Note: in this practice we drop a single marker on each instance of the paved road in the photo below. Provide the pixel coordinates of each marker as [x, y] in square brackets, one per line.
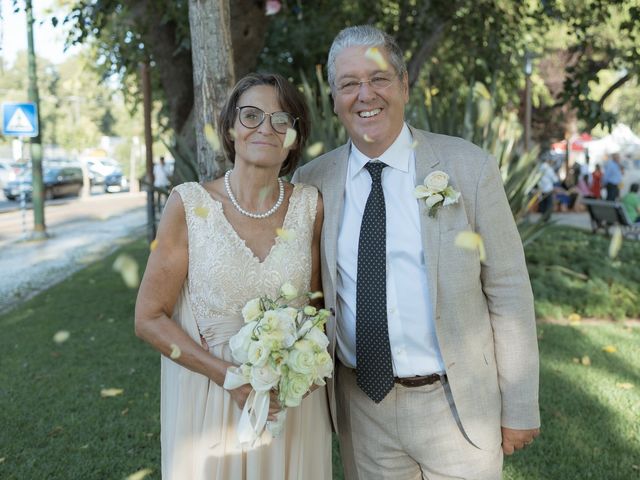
[81, 231]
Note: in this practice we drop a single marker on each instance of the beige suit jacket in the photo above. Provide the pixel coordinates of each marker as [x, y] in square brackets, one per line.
[485, 322]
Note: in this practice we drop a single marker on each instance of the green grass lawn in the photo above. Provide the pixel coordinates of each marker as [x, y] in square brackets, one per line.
[55, 425]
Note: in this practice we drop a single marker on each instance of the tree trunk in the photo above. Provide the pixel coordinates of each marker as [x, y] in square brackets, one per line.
[213, 76]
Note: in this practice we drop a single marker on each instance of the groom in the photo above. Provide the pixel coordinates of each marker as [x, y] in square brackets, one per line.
[437, 359]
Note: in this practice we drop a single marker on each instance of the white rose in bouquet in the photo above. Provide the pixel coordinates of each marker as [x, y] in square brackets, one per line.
[240, 342]
[324, 367]
[258, 354]
[294, 388]
[252, 310]
[302, 361]
[264, 378]
[317, 338]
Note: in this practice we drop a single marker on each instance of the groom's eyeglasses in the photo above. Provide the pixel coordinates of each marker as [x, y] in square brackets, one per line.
[252, 117]
[377, 82]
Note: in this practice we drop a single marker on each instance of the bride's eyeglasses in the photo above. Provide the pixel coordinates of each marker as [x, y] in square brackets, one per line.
[252, 117]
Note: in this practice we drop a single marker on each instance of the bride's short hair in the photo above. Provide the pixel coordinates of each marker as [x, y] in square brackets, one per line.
[289, 98]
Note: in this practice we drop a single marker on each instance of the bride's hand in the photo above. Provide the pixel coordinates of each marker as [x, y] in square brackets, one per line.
[240, 395]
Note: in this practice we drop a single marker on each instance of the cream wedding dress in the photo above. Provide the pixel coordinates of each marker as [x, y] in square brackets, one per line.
[199, 418]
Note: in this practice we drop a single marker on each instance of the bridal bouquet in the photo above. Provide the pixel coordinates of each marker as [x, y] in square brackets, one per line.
[279, 348]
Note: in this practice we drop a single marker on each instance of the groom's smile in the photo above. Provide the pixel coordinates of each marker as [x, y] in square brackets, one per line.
[372, 111]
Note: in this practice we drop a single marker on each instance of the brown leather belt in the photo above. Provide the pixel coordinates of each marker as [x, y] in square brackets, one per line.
[419, 381]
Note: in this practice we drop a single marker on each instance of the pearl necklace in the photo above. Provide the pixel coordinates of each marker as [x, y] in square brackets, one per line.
[237, 206]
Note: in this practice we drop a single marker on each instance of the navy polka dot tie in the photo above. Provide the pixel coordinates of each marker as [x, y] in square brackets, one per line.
[374, 369]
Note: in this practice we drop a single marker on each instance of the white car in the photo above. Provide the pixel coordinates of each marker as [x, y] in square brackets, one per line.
[99, 168]
[7, 173]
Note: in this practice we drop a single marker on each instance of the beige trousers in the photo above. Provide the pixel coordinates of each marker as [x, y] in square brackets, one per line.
[413, 434]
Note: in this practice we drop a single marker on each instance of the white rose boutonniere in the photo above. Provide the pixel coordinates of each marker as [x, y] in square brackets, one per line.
[436, 192]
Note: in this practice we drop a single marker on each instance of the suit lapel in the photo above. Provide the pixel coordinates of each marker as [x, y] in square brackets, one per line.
[333, 197]
[426, 162]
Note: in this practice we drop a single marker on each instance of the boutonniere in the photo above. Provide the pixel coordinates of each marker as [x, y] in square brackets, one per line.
[436, 192]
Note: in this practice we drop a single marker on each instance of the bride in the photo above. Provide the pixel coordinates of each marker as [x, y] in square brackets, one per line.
[217, 248]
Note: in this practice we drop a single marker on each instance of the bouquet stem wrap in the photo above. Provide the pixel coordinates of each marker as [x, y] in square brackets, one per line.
[253, 419]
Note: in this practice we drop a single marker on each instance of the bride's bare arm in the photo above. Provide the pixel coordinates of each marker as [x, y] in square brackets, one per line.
[159, 290]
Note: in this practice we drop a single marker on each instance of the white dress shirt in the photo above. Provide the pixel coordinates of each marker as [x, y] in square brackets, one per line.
[410, 315]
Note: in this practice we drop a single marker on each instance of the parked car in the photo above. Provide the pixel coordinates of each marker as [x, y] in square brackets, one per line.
[7, 173]
[58, 181]
[115, 182]
[99, 168]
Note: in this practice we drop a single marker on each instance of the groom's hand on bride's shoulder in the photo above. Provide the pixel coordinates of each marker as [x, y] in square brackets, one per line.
[513, 440]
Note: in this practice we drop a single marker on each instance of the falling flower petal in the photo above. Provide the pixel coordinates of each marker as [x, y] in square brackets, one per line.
[233, 134]
[272, 7]
[2, 459]
[124, 412]
[373, 53]
[201, 212]
[367, 138]
[175, 351]
[625, 385]
[575, 360]
[616, 242]
[140, 474]
[289, 138]
[586, 361]
[127, 266]
[61, 337]
[413, 145]
[609, 349]
[153, 245]
[111, 392]
[263, 192]
[286, 234]
[315, 295]
[471, 241]
[315, 149]
[574, 319]
[211, 136]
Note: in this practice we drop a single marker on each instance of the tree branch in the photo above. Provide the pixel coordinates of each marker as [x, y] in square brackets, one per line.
[418, 58]
[621, 81]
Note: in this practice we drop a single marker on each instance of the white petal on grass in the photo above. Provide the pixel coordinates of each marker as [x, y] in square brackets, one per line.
[616, 242]
[315, 149]
[61, 337]
[127, 266]
[211, 136]
[373, 53]
[140, 474]
[175, 351]
[285, 234]
[289, 138]
[111, 392]
[471, 241]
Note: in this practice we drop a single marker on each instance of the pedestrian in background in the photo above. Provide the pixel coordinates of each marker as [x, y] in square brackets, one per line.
[613, 177]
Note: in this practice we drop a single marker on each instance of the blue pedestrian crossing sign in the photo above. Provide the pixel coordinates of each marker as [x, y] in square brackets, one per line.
[20, 119]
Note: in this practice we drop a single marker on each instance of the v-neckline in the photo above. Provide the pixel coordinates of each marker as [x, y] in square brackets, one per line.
[241, 240]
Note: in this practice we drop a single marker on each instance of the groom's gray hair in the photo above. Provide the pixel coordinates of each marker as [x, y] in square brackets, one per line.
[364, 36]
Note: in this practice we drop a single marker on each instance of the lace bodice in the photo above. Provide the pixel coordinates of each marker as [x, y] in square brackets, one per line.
[223, 271]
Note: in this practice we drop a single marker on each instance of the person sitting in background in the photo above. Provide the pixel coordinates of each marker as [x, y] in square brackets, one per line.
[631, 203]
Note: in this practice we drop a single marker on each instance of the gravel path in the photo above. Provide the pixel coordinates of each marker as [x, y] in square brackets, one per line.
[27, 268]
